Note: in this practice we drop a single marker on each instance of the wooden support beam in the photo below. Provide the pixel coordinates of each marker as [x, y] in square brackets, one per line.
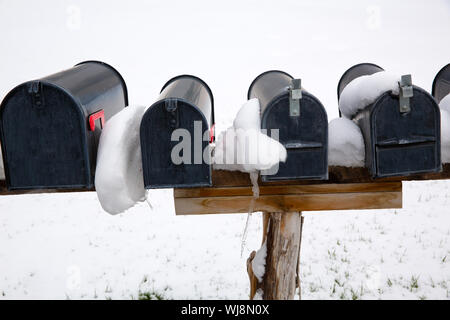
[287, 197]
[283, 247]
[290, 202]
[282, 237]
[346, 189]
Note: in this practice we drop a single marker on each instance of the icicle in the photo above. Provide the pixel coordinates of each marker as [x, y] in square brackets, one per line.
[149, 204]
[244, 234]
[255, 189]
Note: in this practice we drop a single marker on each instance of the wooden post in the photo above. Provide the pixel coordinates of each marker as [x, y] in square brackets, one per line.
[282, 234]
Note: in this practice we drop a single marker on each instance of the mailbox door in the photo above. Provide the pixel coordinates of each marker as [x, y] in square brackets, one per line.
[157, 126]
[44, 138]
[305, 138]
[406, 143]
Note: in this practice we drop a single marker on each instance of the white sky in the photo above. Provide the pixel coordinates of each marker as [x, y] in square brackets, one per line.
[226, 43]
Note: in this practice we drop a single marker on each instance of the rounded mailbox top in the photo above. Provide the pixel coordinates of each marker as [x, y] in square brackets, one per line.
[262, 75]
[208, 89]
[441, 83]
[358, 70]
[125, 89]
[194, 78]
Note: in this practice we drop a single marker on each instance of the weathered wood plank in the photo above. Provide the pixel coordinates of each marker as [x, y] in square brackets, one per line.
[288, 189]
[289, 202]
[346, 189]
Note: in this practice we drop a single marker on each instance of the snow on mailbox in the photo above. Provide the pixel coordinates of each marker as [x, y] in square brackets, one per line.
[400, 122]
[176, 132]
[50, 127]
[301, 121]
[441, 84]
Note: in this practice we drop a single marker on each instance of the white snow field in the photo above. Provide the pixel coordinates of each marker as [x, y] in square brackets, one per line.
[65, 246]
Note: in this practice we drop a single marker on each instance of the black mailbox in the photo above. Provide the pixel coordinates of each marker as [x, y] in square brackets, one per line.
[401, 131]
[302, 123]
[50, 127]
[441, 83]
[182, 116]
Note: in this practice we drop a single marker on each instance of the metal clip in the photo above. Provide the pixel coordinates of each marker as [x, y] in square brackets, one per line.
[405, 93]
[295, 94]
[36, 94]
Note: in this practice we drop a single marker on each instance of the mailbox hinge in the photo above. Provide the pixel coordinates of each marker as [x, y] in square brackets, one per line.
[36, 94]
[405, 93]
[295, 94]
[172, 110]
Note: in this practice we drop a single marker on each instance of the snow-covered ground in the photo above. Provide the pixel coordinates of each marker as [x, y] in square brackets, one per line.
[65, 245]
